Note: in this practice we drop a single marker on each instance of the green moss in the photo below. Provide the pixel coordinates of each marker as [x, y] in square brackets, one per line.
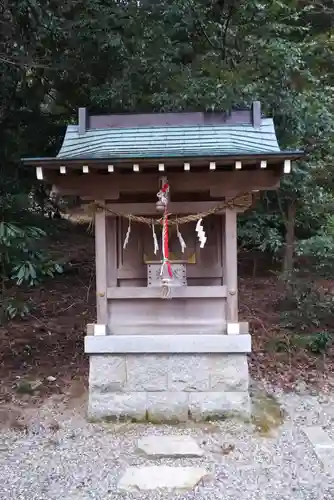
[135, 420]
[267, 414]
[161, 421]
[216, 417]
[109, 419]
[27, 386]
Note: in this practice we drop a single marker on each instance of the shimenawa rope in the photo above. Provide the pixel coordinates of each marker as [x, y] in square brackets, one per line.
[241, 201]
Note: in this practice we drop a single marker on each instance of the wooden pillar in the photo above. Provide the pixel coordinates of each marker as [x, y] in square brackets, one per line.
[231, 265]
[101, 267]
[223, 252]
[112, 224]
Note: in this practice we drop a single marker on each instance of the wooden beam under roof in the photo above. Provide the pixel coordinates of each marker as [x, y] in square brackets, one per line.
[217, 183]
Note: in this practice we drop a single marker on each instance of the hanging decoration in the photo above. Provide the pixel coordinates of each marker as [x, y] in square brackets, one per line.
[200, 233]
[166, 292]
[162, 205]
[127, 236]
[180, 238]
[242, 202]
[163, 195]
[155, 241]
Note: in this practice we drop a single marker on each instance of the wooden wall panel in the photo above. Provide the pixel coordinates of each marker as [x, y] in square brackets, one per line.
[132, 271]
[130, 258]
[162, 317]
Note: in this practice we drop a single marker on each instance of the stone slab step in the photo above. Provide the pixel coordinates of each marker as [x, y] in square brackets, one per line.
[323, 447]
[318, 437]
[161, 477]
[169, 446]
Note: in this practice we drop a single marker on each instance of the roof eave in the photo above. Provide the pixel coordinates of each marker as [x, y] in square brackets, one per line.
[56, 161]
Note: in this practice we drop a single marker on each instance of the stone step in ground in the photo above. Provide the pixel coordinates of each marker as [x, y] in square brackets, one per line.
[323, 447]
[169, 446]
[161, 476]
[173, 478]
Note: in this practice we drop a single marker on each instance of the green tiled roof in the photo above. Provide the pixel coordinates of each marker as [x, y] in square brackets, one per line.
[158, 142]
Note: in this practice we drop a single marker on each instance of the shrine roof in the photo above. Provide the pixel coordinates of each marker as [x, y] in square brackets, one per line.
[162, 142]
[243, 133]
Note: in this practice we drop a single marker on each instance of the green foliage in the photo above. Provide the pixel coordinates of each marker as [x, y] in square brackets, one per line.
[318, 343]
[12, 308]
[306, 306]
[145, 56]
[309, 303]
[261, 230]
[318, 250]
[22, 261]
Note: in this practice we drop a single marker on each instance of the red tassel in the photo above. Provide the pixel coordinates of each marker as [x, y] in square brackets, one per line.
[169, 267]
[165, 188]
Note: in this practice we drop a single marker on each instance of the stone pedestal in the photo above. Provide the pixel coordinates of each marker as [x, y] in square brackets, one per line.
[125, 383]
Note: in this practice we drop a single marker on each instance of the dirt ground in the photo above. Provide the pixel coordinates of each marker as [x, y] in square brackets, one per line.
[46, 347]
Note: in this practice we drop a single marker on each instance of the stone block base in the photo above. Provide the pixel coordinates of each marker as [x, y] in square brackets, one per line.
[168, 387]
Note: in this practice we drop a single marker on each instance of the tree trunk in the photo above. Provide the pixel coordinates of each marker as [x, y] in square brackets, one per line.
[289, 248]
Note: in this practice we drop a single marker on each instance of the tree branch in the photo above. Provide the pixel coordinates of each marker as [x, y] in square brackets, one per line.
[190, 3]
[227, 22]
[281, 209]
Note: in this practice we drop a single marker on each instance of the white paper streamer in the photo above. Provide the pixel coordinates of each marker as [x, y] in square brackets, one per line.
[200, 233]
[155, 240]
[181, 240]
[127, 236]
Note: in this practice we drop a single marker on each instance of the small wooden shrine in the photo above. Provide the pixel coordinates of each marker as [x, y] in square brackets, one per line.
[165, 190]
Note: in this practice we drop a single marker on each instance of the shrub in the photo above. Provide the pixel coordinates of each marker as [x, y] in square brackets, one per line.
[22, 262]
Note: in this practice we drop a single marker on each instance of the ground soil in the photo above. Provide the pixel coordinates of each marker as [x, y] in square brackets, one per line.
[48, 342]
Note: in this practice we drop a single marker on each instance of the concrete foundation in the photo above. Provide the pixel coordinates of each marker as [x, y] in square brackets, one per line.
[168, 387]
